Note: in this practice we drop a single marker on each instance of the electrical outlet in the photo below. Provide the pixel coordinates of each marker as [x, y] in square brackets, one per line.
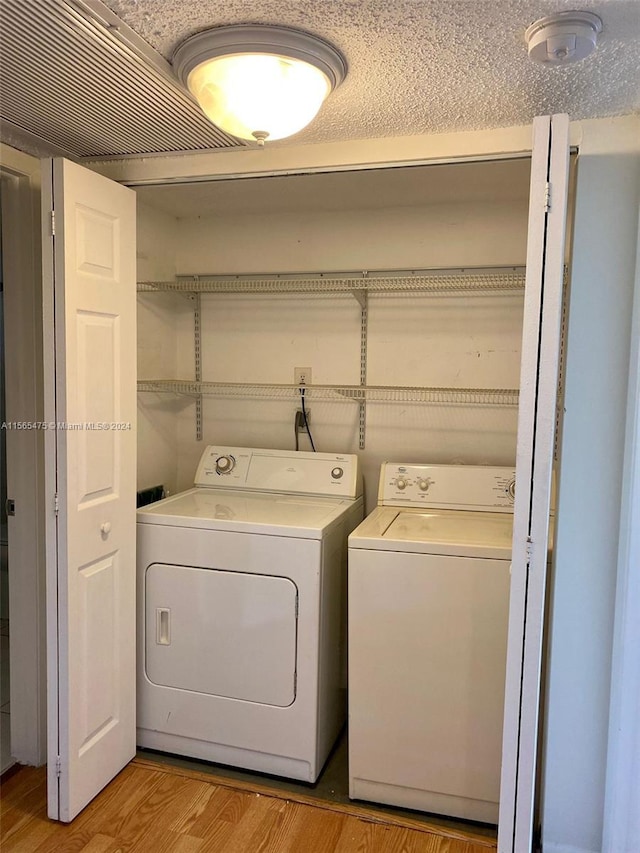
[302, 375]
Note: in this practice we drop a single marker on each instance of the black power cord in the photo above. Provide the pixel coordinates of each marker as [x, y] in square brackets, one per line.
[306, 421]
[298, 424]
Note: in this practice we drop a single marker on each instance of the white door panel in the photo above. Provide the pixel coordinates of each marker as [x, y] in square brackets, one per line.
[536, 433]
[223, 633]
[433, 631]
[91, 587]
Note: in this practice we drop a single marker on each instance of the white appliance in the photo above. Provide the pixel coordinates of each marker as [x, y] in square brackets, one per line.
[428, 611]
[241, 620]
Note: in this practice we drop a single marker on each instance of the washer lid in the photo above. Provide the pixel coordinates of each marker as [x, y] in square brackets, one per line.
[450, 532]
[277, 515]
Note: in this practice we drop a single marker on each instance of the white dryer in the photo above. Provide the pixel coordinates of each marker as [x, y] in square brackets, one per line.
[241, 629]
[428, 612]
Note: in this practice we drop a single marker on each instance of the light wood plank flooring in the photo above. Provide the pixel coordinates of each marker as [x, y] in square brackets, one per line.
[155, 808]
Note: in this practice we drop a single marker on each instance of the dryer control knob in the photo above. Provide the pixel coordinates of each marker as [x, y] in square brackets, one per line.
[401, 483]
[511, 489]
[423, 485]
[336, 473]
[225, 464]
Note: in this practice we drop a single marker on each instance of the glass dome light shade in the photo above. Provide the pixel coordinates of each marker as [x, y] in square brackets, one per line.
[258, 81]
[252, 94]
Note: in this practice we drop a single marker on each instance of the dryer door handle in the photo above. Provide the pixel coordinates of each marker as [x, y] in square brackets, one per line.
[163, 626]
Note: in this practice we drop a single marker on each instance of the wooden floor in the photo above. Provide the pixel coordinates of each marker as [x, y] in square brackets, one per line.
[155, 808]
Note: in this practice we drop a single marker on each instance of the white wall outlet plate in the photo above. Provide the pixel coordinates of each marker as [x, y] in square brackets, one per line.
[302, 375]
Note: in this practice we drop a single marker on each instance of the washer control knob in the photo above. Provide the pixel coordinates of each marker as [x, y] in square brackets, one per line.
[336, 473]
[225, 464]
[401, 484]
[511, 489]
[423, 484]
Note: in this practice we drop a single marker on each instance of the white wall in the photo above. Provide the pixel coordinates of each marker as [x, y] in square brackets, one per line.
[442, 235]
[158, 316]
[590, 483]
[414, 340]
[622, 803]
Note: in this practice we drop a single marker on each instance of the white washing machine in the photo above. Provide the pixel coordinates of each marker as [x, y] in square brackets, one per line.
[241, 628]
[428, 611]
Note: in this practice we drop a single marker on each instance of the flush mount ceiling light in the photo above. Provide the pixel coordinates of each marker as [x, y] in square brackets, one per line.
[563, 38]
[259, 82]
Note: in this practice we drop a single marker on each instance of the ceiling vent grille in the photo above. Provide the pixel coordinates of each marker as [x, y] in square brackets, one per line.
[74, 75]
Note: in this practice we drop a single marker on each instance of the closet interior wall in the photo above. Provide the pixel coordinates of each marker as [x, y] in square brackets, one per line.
[158, 317]
[468, 215]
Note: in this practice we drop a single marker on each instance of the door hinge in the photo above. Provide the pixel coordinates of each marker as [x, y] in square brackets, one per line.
[10, 507]
[56, 504]
[53, 223]
[58, 767]
[547, 197]
[529, 549]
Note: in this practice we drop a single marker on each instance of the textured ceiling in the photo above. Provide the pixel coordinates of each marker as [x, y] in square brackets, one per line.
[428, 66]
[91, 80]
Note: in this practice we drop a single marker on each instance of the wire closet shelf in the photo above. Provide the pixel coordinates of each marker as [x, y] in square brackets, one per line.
[475, 282]
[437, 282]
[336, 393]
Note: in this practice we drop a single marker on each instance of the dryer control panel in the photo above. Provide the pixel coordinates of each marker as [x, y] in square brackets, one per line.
[481, 488]
[281, 471]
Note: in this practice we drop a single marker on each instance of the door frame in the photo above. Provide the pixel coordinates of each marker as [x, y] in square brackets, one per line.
[20, 174]
[520, 747]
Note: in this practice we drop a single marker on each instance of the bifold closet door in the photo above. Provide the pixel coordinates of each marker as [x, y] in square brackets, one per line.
[90, 353]
[534, 459]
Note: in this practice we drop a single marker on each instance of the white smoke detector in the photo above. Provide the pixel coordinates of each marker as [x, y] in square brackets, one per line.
[564, 37]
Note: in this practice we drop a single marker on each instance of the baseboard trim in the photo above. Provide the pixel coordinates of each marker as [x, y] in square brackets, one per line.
[552, 847]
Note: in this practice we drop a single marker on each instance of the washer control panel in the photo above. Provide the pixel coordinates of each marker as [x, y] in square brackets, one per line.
[225, 464]
[482, 488]
[282, 471]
